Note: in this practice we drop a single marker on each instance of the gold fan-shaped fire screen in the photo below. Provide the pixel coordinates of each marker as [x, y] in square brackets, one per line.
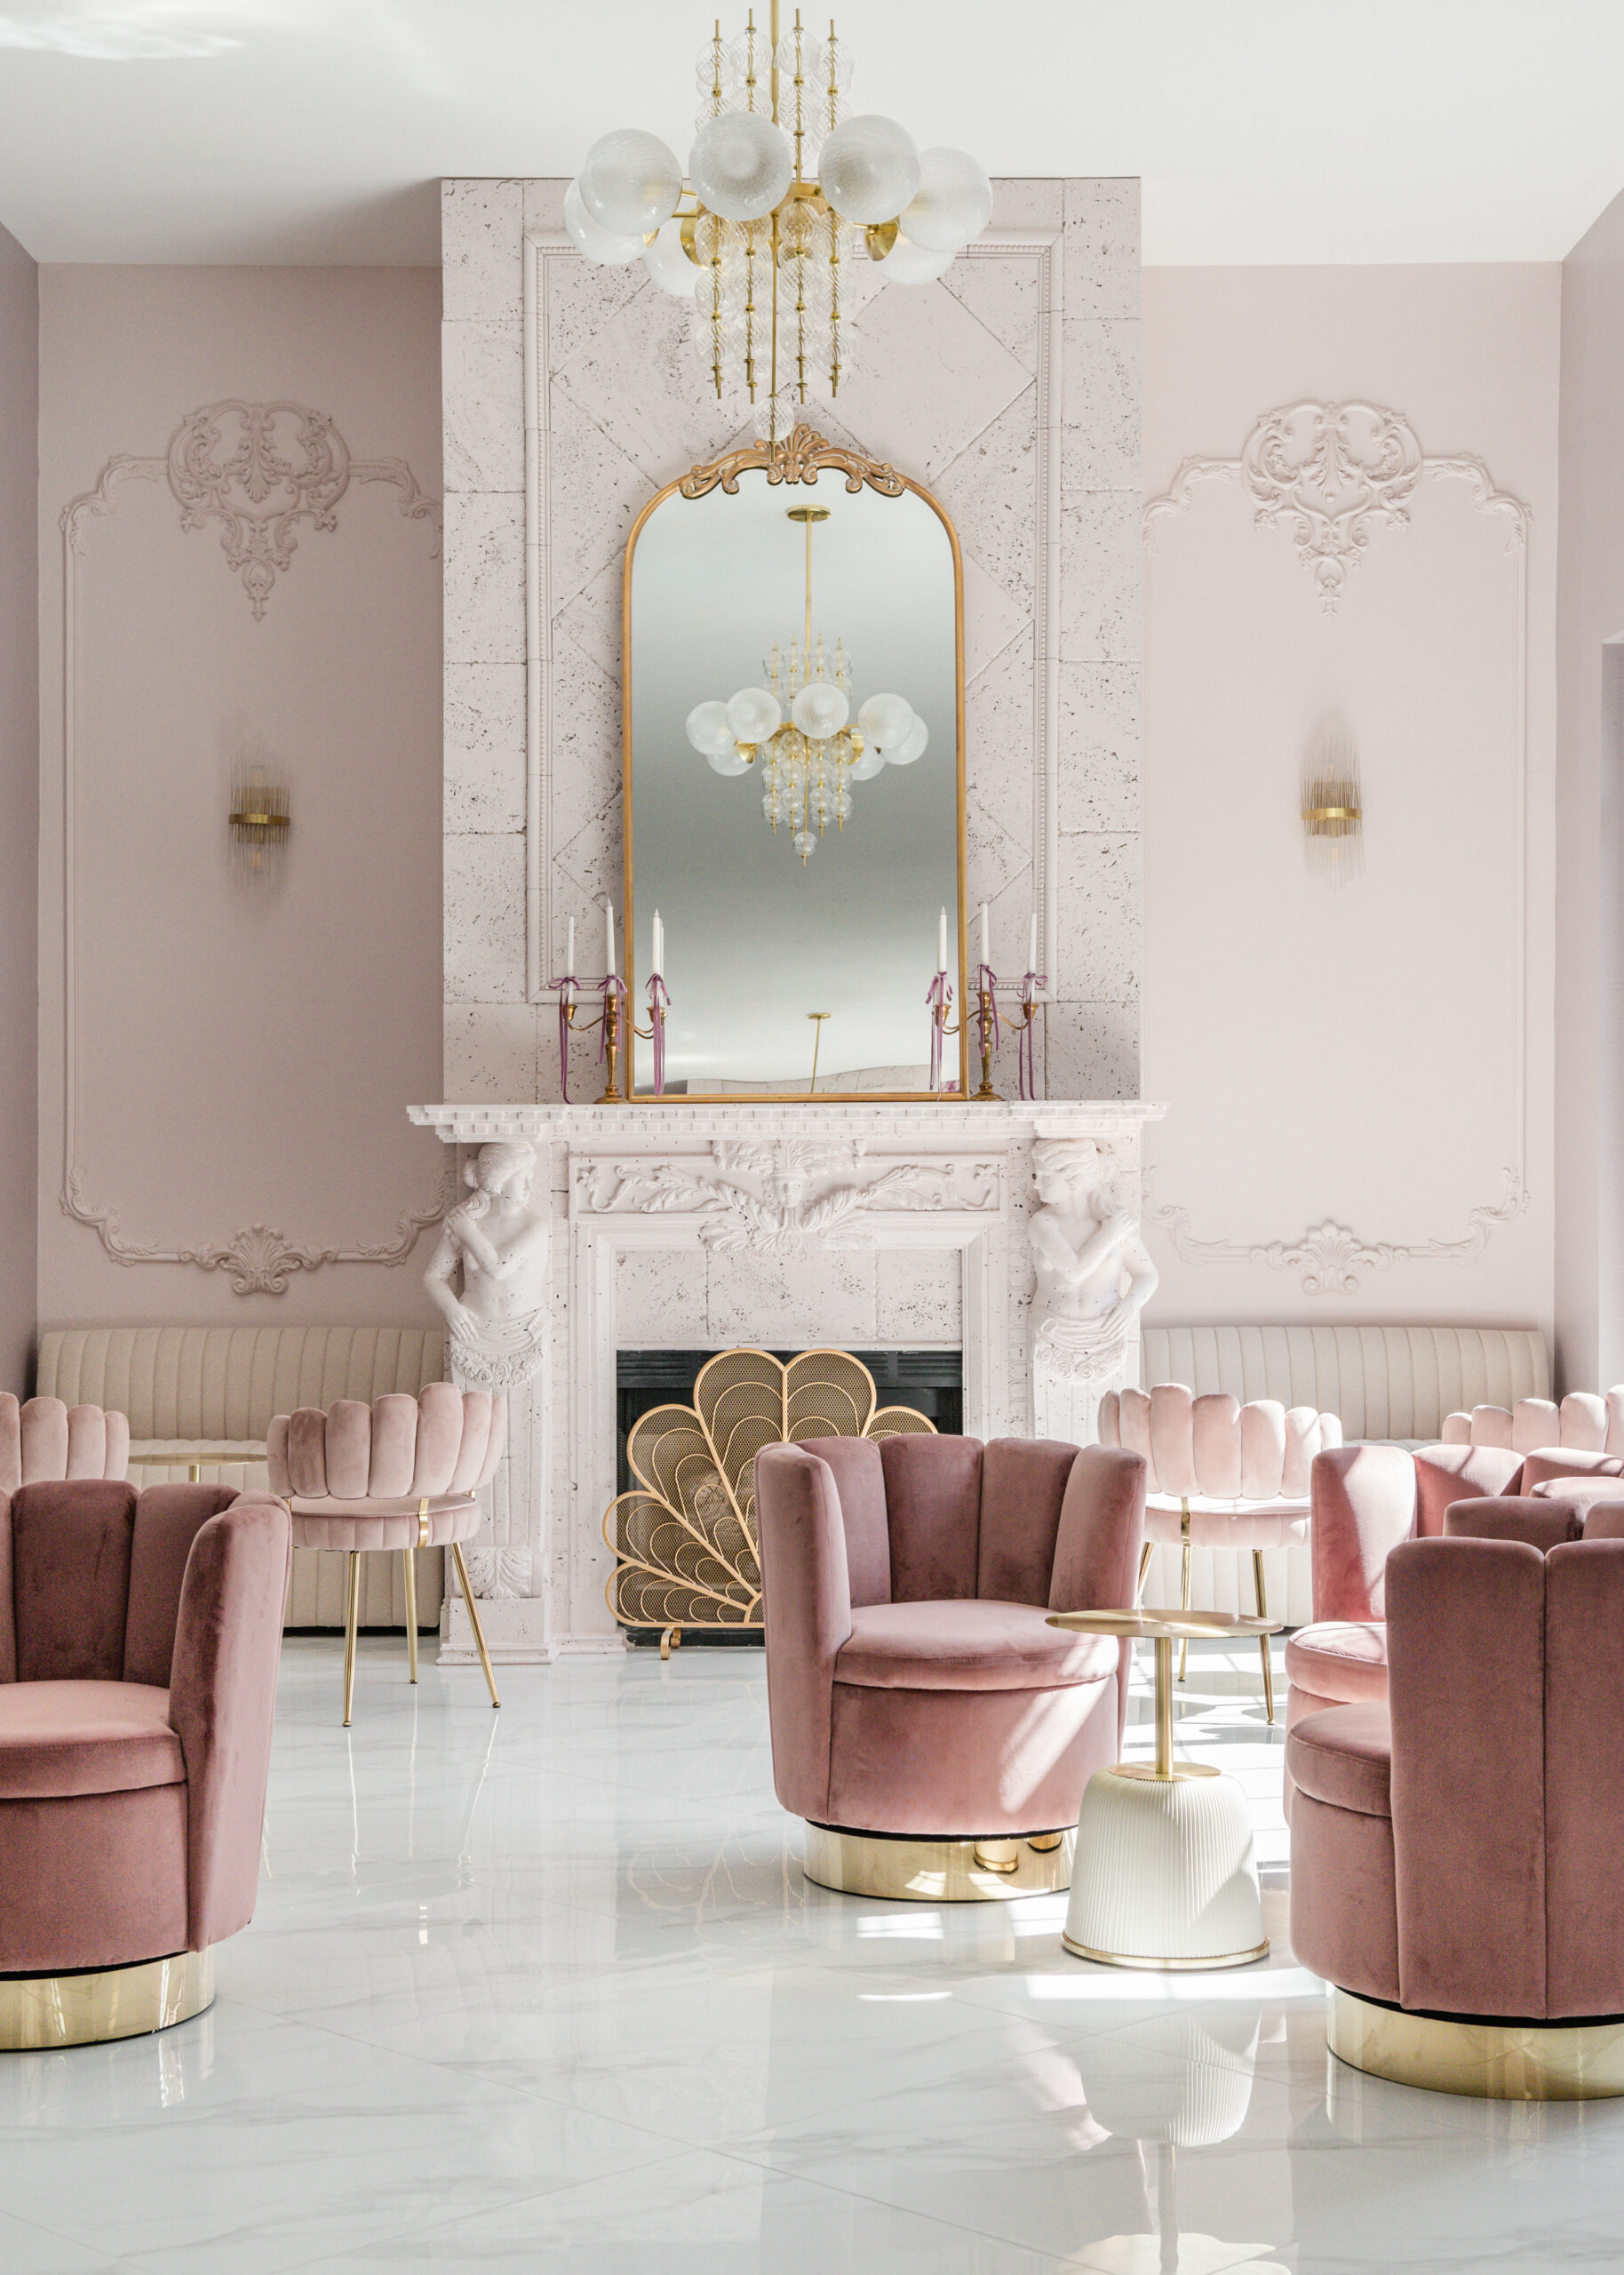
[685, 1542]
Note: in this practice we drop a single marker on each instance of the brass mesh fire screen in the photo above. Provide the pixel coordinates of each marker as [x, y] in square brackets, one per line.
[684, 1538]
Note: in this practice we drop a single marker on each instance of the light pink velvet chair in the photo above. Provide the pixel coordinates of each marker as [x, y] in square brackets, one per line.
[139, 1645]
[1366, 1500]
[393, 1477]
[1454, 1851]
[1220, 1475]
[916, 1691]
[1584, 1423]
[42, 1439]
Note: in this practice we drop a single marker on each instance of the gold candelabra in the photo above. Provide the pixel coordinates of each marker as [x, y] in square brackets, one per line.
[609, 1020]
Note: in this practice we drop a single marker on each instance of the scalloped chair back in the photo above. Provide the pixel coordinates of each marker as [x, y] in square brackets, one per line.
[394, 1475]
[42, 1442]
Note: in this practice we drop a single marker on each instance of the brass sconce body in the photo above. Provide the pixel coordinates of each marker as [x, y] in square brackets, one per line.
[260, 823]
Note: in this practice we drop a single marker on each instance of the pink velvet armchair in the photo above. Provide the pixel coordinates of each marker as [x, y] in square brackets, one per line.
[41, 1439]
[932, 1728]
[390, 1478]
[138, 1646]
[1454, 1851]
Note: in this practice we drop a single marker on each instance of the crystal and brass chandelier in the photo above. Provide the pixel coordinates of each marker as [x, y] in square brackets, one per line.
[762, 232]
[813, 757]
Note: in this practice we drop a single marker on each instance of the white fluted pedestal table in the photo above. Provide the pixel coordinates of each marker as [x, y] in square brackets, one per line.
[1165, 1874]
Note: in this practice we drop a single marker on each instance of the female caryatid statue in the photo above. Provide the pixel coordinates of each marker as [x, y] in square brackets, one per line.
[497, 1244]
[1094, 1274]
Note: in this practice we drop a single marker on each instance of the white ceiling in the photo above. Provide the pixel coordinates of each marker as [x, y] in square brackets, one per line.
[1264, 130]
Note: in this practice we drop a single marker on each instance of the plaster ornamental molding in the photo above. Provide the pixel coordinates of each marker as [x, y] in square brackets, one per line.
[1332, 472]
[259, 494]
[1331, 1257]
[781, 1197]
[800, 457]
[259, 1257]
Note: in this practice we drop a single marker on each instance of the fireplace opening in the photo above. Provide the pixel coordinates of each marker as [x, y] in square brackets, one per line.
[932, 1382]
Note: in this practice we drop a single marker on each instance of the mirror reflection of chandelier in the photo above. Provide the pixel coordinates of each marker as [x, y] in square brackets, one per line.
[812, 758]
[762, 232]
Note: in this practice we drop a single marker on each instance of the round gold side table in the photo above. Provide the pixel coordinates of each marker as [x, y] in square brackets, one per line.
[1165, 1874]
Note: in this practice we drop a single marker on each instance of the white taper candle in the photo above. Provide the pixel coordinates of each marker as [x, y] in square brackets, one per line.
[609, 939]
[657, 958]
[1032, 952]
[569, 951]
[986, 952]
[942, 941]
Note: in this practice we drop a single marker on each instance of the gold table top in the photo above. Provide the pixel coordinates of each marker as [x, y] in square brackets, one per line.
[1159, 1624]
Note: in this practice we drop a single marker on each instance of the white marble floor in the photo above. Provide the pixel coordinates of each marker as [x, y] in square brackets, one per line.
[546, 1991]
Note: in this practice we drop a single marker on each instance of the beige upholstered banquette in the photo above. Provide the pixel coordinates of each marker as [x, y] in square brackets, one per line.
[187, 1386]
[1379, 1382]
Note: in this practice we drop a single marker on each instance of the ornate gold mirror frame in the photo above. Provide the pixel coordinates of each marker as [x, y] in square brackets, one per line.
[799, 456]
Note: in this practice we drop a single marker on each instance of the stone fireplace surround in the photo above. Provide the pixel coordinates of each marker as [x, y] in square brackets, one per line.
[901, 1225]
[1011, 389]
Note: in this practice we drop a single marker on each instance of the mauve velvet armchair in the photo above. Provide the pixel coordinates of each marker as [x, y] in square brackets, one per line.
[1454, 1850]
[916, 1692]
[138, 1646]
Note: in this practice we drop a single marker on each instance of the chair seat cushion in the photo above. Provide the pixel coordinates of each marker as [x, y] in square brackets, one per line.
[1344, 1757]
[967, 1645]
[332, 1523]
[1280, 1523]
[1345, 1659]
[58, 1738]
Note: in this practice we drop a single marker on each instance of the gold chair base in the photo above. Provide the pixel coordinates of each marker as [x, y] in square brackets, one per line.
[939, 1872]
[1488, 2060]
[1138, 1961]
[40, 2011]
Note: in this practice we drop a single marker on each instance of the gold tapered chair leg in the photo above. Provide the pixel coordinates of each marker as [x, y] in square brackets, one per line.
[473, 1620]
[1185, 1593]
[410, 1557]
[352, 1616]
[1264, 1640]
[1145, 1554]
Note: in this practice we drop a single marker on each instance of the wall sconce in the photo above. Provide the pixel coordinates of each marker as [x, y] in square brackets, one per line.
[1332, 810]
[260, 823]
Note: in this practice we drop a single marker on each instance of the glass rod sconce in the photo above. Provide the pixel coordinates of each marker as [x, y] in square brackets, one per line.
[1332, 811]
[259, 824]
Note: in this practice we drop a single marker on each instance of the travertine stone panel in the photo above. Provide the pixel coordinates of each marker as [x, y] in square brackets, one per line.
[1016, 399]
[920, 1298]
[826, 1295]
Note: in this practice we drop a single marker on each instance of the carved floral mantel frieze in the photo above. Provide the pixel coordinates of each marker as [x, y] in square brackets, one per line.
[1331, 473]
[783, 1196]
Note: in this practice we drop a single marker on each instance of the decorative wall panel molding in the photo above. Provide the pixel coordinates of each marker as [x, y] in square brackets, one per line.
[1332, 472]
[1040, 251]
[258, 493]
[1331, 1257]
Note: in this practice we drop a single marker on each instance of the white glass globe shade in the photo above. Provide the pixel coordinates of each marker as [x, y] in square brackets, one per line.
[869, 169]
[740, 165]
[595, 243]
[804, 843]
[911, 746]
[754, 716]
[631, 182]
[886, 720]
[871, 763]
[952, 203]
[820, 710]
[708, 730]
[728, 762]
[669, 266]
[907, 263]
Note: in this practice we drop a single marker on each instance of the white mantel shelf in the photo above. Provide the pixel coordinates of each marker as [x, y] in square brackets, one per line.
[924, 1120]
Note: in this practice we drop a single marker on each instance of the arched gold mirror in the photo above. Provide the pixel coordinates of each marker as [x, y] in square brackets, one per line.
[800, 839]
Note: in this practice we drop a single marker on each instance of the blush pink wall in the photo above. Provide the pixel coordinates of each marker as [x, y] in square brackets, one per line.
[244, 1057]
[1589, 792]
[1351, 1057]
[18, 805]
